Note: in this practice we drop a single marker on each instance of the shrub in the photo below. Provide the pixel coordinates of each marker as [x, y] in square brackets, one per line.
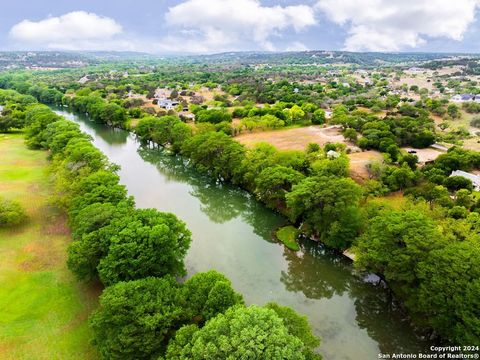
[11, 213]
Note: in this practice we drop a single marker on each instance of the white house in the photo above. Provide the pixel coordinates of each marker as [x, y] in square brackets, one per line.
[167, 104]
[475, 179]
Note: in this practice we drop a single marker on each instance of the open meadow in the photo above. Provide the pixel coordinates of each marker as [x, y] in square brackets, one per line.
[44, 309]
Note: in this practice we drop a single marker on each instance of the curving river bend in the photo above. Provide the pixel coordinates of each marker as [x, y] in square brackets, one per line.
[232, 233]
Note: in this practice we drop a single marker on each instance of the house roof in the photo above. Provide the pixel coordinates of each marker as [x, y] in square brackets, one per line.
[475, 179]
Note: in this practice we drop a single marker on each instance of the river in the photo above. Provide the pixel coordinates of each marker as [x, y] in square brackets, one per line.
[232, 233]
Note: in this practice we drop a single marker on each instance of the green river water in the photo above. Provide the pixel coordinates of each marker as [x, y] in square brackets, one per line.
[232, 233]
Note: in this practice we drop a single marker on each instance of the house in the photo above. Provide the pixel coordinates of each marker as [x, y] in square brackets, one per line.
[84, 80]
[463, 97]
[328, 114]
[475, 179]
[167, 104]
[345, 84]
[296, 90]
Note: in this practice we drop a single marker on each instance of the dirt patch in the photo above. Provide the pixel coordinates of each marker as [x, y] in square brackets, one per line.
[56, 225]
[358, 164]
[294, 139]
[424, 155]
[41, 256]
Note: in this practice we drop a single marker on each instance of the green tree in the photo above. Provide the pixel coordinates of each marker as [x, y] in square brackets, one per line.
[152, 244]
[208, 294]
[298, 326]
[395, 243]
[350, 134]
[273, 183]
[454, 111]
[448, 294]
[240, 333]
[326, 203]
[318, 117]
[135, 319]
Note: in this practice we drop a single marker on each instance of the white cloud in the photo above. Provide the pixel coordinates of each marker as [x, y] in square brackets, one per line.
[386, 25]
[221, 25]
[74, 31]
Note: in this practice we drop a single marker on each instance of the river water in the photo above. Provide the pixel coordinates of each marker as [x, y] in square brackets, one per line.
[232, 233]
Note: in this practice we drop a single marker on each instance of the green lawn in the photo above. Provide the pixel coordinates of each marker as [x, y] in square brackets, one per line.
[44, 309]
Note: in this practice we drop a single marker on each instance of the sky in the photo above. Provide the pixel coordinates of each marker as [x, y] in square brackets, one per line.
[212, 26]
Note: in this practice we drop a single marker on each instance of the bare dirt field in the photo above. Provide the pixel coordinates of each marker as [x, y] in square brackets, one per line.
[294, 139]
[425, 155]
[359, 161]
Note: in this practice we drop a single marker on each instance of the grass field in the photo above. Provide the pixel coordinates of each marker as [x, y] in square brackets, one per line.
[43, 308]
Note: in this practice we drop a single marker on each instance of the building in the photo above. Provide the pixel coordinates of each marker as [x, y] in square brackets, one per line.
[463, 97]
[167, 104]
[439, 147]
[415, 69]
[475, 179]
[477, 98]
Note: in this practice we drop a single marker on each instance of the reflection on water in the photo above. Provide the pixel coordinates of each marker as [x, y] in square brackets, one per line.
[233, 234]
[317, 272]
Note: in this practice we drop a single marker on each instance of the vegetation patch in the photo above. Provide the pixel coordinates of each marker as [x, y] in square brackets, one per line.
[288, 235]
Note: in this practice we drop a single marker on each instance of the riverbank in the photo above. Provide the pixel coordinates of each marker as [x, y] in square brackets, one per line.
[44, 309]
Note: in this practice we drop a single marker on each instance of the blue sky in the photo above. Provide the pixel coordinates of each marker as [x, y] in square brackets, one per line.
[208, 26]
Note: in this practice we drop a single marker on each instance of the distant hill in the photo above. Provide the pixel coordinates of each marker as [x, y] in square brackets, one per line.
[72, 59]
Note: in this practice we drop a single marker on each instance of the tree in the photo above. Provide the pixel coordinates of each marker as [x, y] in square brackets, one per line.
[458, 182]
[394, 244]
[240, 333]
[216, 153]
[298, 326]
[295, 114]
[325, 203]
[273, 183]
[150, 244]
[453, 111]
[100, 187]
[464, 197]
[208, 294]
[135, 319]
[213, 116]
[448, 294]
[318, 117]
[399, 178]
[11, 213]
[410, 159]
[350, 134]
